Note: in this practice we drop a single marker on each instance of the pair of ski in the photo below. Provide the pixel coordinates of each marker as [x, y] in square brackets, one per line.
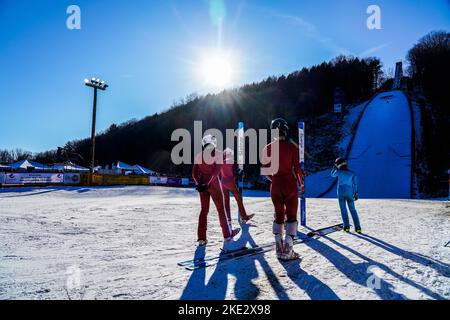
[208, 261]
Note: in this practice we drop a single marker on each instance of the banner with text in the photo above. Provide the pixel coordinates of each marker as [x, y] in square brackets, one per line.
[158, 180]
[33, 178]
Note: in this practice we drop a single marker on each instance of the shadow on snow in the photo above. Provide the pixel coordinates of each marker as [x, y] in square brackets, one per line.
[245, 272]
[358, 272]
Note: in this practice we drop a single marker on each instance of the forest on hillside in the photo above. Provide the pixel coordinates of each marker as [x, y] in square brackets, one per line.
[429, 69]
[302, 95]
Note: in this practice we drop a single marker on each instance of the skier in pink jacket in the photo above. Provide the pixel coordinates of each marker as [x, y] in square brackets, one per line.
[228, 176]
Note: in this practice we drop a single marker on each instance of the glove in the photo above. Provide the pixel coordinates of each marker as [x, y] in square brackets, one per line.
[355, 196]
[302, 189]
[202, 187]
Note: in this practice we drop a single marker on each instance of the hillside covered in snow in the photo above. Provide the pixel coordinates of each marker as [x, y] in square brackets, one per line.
[380, 152]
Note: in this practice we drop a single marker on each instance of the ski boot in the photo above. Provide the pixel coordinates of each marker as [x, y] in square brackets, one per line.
[235, 232]
[288, 250]
[248, 218]
[202, 243]
[229, 245]
[288, 247]
[346, 229]
[278, 230]
[358, 230]
[279, 245]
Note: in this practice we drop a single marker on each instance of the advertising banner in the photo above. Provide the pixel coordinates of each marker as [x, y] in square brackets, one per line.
[301, 148]
[158, 180]
[185, 181]
[2, 177]
[174, 181]
[241, 155]
[71, 178]
[301, 143]
[30, 178]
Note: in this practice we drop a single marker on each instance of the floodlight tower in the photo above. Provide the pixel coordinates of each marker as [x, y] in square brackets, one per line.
[97, 84]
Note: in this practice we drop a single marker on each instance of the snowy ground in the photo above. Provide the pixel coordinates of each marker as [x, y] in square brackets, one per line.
[124, 242]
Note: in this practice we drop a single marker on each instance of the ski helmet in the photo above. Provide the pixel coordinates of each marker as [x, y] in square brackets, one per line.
[209, 139]
[228, 151]
[229, 154]
[340, 162]
[280, 124]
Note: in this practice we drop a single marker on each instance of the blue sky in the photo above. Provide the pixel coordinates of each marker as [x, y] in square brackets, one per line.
[150, 53]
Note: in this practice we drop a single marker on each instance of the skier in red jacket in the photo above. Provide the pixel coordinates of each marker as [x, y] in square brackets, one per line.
[228, 176]
[284, 174]
[206, 174]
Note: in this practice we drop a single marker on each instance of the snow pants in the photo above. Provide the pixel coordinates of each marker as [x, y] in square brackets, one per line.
[345, 196]
[230, 187]
[284, 194]
[215, 191]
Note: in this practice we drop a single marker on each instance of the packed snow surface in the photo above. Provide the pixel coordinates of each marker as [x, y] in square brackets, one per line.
[124, 243]
[381, 152]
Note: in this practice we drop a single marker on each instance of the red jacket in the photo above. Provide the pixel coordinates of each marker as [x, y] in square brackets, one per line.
[228, 174]
[288, 159]
[207, 166]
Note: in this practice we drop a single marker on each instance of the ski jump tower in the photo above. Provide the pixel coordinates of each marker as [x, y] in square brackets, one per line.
[398, 76]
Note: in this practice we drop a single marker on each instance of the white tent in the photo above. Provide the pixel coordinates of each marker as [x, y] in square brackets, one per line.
[144, 170]
[69, 167]
[136, 168]
[25, 164]
[124, 166]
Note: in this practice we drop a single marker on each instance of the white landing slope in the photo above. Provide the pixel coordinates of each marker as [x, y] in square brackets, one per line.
[381, 152]
[124, 243]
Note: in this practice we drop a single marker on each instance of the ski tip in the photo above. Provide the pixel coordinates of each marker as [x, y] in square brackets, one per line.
[312, 234]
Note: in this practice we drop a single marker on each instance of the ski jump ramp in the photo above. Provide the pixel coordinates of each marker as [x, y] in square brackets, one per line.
[381, 152]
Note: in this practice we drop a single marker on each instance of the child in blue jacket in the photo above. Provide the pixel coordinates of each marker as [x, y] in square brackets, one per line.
[347, 192]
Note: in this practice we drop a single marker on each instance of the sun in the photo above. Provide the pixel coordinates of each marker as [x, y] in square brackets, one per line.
[217, 70]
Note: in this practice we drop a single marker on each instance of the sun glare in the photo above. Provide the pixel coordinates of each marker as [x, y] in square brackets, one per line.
[217, 70]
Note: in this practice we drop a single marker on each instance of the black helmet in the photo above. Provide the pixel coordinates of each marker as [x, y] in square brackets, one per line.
[280, 124]
[340, 162]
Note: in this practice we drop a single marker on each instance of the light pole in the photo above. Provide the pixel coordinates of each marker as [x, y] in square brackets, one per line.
[96, 84]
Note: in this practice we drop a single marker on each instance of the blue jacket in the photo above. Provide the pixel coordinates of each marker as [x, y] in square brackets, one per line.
[346, 178]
